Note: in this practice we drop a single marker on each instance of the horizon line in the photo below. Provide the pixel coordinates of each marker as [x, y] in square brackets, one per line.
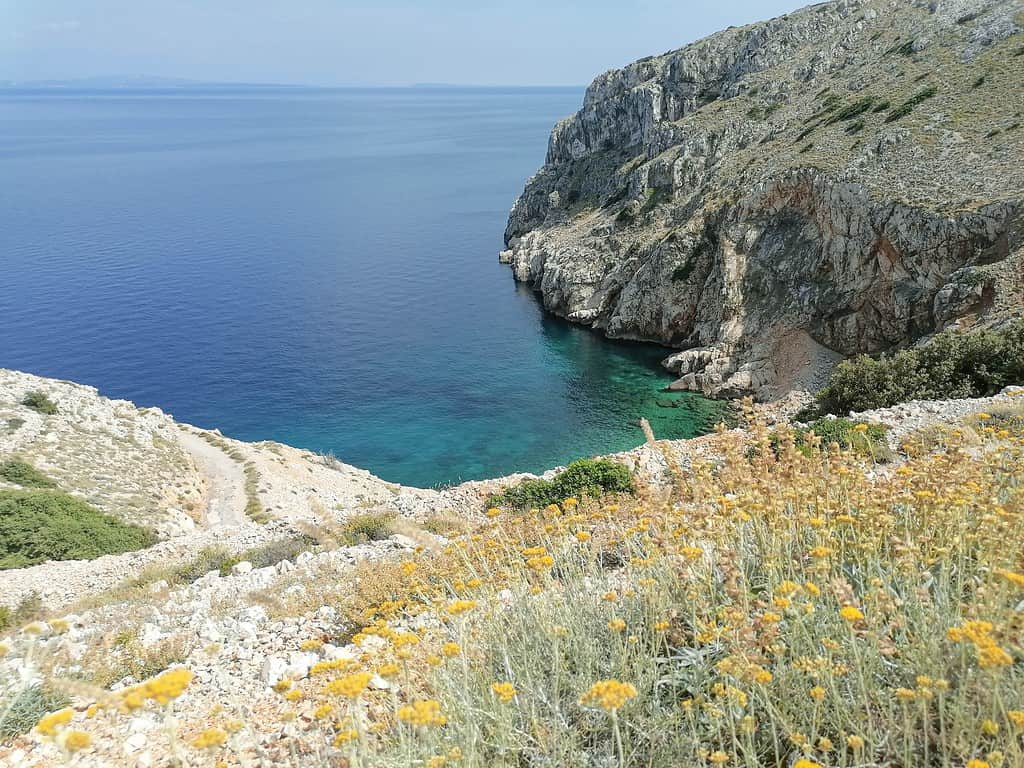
[172, 83]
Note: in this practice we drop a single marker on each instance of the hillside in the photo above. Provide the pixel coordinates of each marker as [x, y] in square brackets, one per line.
[847, 178]
[761, 597]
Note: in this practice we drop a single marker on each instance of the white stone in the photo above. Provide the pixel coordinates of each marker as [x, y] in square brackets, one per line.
[273, 670]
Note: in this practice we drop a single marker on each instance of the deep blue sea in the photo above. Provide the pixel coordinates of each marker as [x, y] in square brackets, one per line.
[314, 267]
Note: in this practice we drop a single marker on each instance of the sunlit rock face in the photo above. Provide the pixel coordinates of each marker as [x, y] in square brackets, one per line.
[847, 178]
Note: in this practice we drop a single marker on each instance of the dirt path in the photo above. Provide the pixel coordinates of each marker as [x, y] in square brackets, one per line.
[225, 495]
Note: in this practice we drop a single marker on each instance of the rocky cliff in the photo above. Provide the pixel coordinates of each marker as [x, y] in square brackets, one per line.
[847, 178]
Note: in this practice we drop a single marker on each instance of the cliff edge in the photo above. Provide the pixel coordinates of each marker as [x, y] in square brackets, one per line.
[847, 178]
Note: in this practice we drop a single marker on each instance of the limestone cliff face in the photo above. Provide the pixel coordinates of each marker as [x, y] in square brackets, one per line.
[846, 178]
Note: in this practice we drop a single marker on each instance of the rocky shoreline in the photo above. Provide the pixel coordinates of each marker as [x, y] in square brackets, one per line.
[778, 196]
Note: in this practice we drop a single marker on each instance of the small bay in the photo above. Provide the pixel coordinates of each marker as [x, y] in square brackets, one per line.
[317, 267]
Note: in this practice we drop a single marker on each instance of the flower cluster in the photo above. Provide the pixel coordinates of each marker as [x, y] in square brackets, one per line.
[609, 695]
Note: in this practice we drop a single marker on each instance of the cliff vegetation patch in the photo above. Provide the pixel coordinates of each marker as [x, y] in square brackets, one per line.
[22, 473]
[41, 525]
[951, 365]
[590, 477]
[38, 401]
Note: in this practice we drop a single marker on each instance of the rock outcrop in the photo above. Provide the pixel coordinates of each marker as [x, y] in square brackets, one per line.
[847, 178]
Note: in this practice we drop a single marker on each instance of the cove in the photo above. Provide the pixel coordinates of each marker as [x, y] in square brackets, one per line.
[317, 267]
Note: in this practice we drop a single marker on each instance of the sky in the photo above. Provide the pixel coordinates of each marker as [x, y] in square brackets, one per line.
[354, 42]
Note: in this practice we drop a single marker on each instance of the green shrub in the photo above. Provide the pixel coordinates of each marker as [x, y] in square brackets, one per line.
[29, 608]
[40, 525]
[952, 365]
[850, 111]
[907, 107]
[274, 552]
[863, 438]
[684, 270]
[40, 402]
[372, 526]
[131, 659]
[24, 474]
[253, 508]
[25, 708]
[444, 525]
[590, 477]
[209, 559]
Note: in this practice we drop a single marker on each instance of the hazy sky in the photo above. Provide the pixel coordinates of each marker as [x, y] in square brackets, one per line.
[329, 42]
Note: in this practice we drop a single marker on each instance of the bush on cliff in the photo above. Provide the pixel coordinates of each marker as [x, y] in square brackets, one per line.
[24, 474]
[40, 525]
[590, 477]
[952, 365]
[38, 401]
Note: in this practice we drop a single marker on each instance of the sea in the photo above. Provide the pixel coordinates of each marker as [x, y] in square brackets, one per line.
[312, 266]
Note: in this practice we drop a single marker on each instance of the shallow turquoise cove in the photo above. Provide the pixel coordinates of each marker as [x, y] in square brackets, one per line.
[314, 267]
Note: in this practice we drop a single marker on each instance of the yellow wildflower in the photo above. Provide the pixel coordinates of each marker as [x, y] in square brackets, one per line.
[423, 713]
[344, 737]
[76, 741]
[349, 686]
[53, 722]
[211, 738]
[457, 607]
[609, 695]
[451, 650]
[1017, 579]
[504, 691]
[851, 613]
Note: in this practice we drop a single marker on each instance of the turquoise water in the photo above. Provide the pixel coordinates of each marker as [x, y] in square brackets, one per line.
[314, 267]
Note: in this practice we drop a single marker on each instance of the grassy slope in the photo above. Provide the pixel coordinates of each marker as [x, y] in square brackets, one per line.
[785, 604]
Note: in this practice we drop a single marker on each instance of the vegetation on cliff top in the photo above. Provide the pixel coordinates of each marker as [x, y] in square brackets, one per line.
[22, 473]
[591, 477]
[951, 365]
[40, 525]
[38, 401]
